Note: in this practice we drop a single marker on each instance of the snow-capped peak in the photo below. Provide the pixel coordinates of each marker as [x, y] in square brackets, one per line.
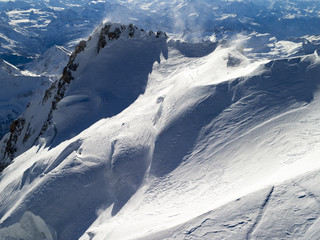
[103, 86]
[144, 138]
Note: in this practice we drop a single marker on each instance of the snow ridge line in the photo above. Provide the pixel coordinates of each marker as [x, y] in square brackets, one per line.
[260, 215]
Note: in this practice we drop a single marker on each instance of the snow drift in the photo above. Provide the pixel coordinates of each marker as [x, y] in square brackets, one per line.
[142, 139]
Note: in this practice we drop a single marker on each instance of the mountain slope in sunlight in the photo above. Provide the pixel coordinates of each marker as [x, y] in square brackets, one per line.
[143, 138]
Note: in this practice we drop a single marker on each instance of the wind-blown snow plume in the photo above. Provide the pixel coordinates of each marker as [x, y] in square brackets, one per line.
[186, 21]
[145, 137]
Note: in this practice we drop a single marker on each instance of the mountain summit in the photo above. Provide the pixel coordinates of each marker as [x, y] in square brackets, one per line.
[148, 137]
[103, 76]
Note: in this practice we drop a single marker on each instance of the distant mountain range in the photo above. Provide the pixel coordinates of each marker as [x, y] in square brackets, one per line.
[28, 28]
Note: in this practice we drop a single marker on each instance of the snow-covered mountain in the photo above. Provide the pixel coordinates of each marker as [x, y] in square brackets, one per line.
[208, 131]
[28, 28]
[194, 19]
[51, 63]
[17, 88]
[146, 137]
[7, 69]
[94, 96]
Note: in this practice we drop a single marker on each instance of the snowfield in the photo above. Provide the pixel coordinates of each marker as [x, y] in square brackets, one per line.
[147, 137]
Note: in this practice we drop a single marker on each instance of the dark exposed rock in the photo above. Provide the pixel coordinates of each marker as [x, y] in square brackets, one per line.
[78, 49]
[16, 125]
[132, 29]
[160, 33]
[107, 33]
[66, 75]
[48, 93]
[73, 67]
[3, 166]
[27, 134]
[57, 90]
[115, 34]
[16, 128]
[112, 35]
[102, 39]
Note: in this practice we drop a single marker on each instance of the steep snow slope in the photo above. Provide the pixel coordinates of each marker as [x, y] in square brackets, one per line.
[8, 69]
[246, 134]
[104, 86]
[132, 150]
[18, 87]
[16, 90]
[51, 63]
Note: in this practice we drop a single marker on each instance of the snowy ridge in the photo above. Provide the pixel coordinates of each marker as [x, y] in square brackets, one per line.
[154, 143]
[51, 63]
[213, 167]
[137, 135]
[7, 69]
[108, 102]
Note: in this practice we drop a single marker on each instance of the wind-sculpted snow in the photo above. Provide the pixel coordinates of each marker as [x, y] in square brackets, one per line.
[141, 135]
[286, 211]
[210, 131]
[113, 86]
